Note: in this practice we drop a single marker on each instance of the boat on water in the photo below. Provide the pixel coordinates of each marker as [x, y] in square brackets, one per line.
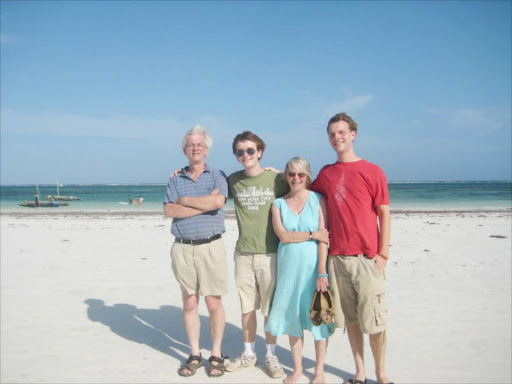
[61, 197]
[43, 204]
[51, 203]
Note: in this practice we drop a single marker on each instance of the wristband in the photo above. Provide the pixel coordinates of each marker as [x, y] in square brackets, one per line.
[318, 275]
[383, 255]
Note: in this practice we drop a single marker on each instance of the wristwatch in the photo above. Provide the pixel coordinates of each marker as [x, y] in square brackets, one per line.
[310, 235]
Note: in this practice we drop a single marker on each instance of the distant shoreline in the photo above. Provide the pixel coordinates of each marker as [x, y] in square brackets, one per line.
[229, 215]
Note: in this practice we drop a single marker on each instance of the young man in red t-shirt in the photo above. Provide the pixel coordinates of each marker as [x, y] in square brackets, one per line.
[358, 206]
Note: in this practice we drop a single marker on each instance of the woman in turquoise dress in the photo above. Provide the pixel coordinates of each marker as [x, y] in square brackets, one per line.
[300, 220]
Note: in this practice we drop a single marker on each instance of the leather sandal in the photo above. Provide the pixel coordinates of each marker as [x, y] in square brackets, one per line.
[327, 312]
[189, 368]
[216, 367]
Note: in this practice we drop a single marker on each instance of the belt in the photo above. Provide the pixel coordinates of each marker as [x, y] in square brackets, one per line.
[199, 241]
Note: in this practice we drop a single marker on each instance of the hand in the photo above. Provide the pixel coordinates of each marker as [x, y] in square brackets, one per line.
[380, 261]
[321, 235]
[322, 283]
[215, 192]
[272, 169]
[176, 172]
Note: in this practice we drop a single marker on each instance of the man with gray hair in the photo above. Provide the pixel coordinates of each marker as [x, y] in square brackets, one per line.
[194, 199]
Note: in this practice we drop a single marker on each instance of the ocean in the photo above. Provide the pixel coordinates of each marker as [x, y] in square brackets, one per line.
[408, 196]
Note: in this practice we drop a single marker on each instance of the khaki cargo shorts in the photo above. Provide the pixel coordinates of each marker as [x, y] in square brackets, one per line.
[358, 284]
[201, 268]
[255, 277]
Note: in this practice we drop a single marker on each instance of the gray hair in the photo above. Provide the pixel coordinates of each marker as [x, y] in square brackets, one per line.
[198, 130]
[301, 164]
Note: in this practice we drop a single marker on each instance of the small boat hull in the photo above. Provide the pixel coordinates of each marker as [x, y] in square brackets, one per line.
[64, 198]
[42, 204]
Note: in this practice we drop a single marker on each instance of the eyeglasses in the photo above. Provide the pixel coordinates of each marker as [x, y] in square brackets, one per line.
[198, 146]
[300, 174]
[240, 152]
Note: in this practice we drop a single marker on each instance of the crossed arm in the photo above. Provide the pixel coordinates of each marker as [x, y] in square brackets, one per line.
[188, 206]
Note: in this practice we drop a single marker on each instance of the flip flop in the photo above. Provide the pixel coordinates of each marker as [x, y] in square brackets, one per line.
[355, 381]
[193, 362]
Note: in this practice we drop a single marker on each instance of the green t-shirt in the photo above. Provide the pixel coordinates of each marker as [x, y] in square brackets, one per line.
[253, 197]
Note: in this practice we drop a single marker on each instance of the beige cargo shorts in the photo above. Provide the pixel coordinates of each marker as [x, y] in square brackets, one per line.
[255, 277]
[358, 284]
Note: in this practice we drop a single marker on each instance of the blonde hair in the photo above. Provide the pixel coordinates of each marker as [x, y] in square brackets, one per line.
[301, 164]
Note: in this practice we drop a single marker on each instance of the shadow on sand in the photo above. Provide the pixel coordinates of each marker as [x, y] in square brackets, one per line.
[162, 329]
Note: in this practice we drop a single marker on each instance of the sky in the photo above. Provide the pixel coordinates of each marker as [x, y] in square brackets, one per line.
[104, 91]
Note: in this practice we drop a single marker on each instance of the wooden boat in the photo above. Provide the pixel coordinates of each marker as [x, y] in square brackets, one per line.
[52, 203]
[59, 197]
[43, 204]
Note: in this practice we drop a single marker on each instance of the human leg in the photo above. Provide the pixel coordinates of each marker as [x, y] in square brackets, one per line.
[217, 322]
[355, 337]
[320, 352]
[249, 325]
[272, 363]
[192, 326]
[249, 303]
[378, 345]
[248, 357]
[296, 344]
[372, 311]
[265, 270]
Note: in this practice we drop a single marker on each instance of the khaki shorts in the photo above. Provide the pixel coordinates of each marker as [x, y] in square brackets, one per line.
[358, 283]
[255, 277]
[201, 268]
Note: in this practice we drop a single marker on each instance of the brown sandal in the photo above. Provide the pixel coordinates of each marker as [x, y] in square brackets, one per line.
[219, 366]
[322, 308]
[193, 362]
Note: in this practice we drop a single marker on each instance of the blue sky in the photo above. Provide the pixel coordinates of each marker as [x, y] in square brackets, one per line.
[103, 91]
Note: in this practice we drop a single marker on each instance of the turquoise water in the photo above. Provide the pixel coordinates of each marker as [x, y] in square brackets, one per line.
[464, 195]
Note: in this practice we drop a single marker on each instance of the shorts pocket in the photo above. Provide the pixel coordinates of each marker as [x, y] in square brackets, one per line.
[381, 312]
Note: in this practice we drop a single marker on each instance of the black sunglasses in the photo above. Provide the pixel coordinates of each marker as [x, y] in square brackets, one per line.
[240, 152]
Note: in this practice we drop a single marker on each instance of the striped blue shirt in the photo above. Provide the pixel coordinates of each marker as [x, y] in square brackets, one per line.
[200, 226]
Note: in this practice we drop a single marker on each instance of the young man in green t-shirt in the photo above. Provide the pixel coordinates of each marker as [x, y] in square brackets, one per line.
[253, 190]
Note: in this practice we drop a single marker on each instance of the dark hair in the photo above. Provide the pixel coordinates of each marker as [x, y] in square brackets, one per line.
[249, 136]
[352, 125]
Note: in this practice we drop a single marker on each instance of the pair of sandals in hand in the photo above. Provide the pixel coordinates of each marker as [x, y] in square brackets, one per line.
[322, 308]
[194, 362]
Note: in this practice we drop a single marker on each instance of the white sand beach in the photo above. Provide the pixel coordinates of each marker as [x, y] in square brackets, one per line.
[91, 298]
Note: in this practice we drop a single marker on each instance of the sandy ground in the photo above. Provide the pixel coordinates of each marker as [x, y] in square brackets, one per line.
[92, 299]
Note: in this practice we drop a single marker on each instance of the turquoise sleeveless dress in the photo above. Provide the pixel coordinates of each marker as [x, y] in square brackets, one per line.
[296, 275]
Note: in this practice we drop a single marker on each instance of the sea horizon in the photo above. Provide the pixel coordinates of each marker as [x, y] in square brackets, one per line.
[474, 195]
[165, 183]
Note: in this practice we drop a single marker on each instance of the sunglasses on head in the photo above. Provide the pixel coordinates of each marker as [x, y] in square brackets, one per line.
[240, 152]
[300, 174]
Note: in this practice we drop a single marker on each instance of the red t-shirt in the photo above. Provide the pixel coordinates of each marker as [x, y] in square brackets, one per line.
[353, 192]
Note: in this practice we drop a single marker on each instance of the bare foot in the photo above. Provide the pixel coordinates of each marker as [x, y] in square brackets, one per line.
[318, 379]
[293, 378]
[383, 380]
